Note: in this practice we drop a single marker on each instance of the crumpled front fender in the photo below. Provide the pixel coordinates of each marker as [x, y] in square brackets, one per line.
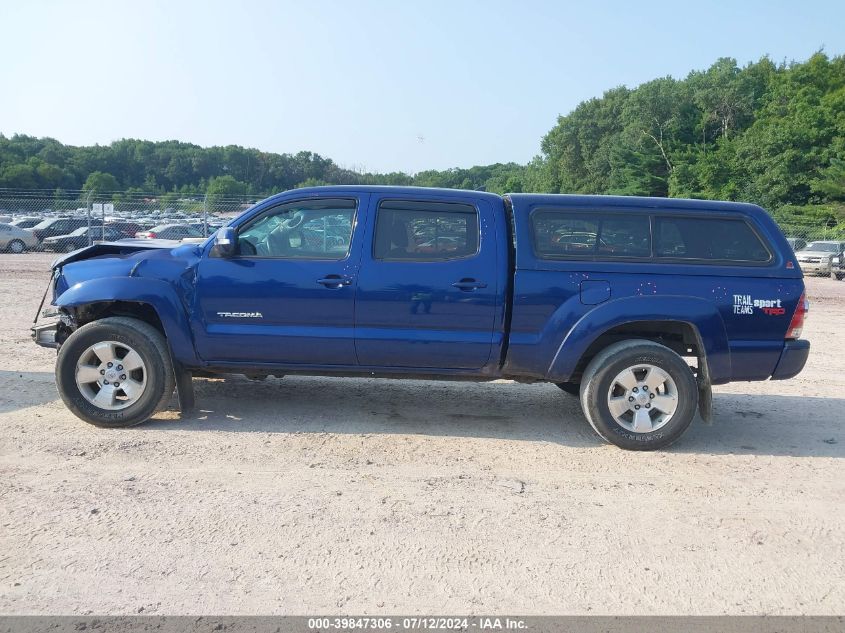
[154, 292]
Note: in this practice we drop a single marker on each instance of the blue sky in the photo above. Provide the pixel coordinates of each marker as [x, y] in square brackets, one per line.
[374, 85]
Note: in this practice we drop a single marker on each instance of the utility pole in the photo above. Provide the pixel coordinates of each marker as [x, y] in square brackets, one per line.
[205, 216]
[88, 213]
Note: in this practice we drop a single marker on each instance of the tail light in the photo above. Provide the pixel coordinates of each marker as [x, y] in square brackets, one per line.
[151, 235]
[797, 323]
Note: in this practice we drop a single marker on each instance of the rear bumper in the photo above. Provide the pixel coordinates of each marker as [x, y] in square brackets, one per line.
[792, 359]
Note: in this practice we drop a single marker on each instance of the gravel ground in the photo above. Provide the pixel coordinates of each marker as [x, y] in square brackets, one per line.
[308, 495]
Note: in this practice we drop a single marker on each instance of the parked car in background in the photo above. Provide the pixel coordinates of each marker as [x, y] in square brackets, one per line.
[796, 243]
[823, 257]
[16, 240]
[26, 223]
[61, 226]
[79, 238]
[169, 232]
[129, 229]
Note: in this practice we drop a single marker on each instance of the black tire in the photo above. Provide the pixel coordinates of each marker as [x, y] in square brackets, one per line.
[140, 336]
[572, 388]
[68, 248]
[839, 276]
[16, 246]
[597, 382]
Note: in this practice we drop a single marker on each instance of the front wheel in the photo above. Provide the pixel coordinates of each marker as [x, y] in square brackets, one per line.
[839, 276]
[639, 395]
[16, 246]
[115, 372]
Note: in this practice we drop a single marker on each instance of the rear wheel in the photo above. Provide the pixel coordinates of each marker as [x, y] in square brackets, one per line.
[115, 372]
[839, 276]
[639, 395]
[16, 246]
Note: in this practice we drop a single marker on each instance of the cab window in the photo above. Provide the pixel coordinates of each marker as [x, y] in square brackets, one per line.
[314, 229]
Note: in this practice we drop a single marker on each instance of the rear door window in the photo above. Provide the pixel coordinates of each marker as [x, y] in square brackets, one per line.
[425, 231]
[715, 239]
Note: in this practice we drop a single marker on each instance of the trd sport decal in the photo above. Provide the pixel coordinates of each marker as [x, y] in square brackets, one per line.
[744, 304]
[240, 315]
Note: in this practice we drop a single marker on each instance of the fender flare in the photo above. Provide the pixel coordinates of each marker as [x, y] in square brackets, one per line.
[701, 314]
[159, 294]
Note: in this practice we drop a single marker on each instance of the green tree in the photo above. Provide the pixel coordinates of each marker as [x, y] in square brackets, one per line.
[226, 186]
[99, 182]
[831, 183]
[18, 176]
[223, 191]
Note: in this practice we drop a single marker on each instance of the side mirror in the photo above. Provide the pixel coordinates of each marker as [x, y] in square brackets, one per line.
[225, 243]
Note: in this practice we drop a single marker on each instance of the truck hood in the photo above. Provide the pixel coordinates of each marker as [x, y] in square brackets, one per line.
[163, 260]
[123, 247]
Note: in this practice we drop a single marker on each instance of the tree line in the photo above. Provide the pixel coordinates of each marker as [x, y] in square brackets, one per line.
[768, 133]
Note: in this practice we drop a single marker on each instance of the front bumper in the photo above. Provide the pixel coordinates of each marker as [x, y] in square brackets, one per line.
[792, 359]
[815, 269]
[45, 334]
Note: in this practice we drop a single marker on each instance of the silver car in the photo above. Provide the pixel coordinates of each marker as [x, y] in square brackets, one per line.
[823, 257]
[15, 240]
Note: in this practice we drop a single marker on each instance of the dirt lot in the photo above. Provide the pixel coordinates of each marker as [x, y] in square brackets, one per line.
[310, 495]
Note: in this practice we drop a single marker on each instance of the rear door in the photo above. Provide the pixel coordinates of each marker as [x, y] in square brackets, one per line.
[288, 295]
[429, 283]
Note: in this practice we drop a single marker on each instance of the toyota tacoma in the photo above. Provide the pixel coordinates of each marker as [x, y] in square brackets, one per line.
[636, 306]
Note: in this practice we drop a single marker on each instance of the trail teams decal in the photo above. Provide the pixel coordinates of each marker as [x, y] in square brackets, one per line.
[240, 315]
[744, 304]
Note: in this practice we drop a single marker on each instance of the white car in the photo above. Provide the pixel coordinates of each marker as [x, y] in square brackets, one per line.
[15, 240]
[823, 258]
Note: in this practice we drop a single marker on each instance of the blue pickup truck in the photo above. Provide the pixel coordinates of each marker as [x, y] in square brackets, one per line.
[635, 305]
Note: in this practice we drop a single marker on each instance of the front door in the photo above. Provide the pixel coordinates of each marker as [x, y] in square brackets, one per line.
[428, 286]
[287, 296]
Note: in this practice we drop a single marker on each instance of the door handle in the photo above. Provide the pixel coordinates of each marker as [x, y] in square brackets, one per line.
[468, 284]
[334, 281]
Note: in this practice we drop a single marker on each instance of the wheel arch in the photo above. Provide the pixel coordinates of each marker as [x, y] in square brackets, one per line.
[149, 300]
[686, 325]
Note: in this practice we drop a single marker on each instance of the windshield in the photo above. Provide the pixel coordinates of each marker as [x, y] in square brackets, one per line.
[43, 224]
[80, 231]
[826, 247]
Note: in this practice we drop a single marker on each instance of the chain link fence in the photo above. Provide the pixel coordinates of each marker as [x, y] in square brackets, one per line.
[98, 215]
[133, 212]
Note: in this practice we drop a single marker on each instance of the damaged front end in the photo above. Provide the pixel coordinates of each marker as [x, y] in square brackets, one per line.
[53, 325]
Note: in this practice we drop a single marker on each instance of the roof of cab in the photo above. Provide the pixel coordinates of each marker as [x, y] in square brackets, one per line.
[410, 191]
